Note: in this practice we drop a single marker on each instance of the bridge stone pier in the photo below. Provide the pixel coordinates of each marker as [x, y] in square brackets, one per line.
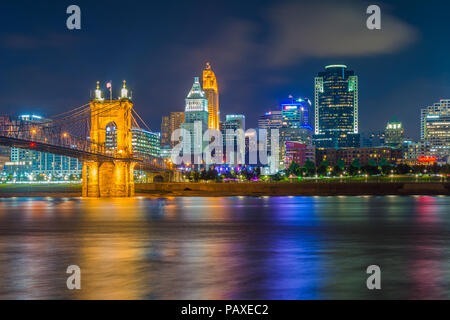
[108, 179]
[113, 178]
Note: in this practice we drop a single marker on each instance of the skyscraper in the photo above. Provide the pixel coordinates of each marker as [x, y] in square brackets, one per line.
[165, 131]
[435, 128]
[336, 108]
[212, 94]
[296, 126]
[373, 139]
[196, 112]
[271, 120]
[394, 134]
[168, 125]
[145, 143]
[176, 119]
[230, 137]
[296, 114]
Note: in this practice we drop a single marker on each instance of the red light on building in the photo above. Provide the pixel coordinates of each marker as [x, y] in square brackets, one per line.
[427, 159]
[32, 145]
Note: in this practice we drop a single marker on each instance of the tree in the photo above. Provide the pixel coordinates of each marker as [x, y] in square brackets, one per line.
[322, 170]
[310, 167]
[340, 166]
[212, 174]
[385, 166]
[372, 167]
[195, 176]
[403, 169]
[294, 169]
[355, 166]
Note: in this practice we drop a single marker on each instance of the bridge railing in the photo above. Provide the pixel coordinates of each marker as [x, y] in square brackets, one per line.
[156, 162]
[54, 136]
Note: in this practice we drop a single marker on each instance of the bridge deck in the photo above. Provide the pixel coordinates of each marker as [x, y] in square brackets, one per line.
[60, 150]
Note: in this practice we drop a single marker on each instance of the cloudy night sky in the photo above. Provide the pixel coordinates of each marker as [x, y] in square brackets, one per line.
[261, 51]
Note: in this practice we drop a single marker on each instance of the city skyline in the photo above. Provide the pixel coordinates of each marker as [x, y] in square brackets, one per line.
[58, 76]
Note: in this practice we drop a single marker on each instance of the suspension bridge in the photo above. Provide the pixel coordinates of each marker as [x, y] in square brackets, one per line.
[108, 170]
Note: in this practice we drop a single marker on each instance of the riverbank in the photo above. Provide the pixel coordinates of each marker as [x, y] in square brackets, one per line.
[292, 189]
[40, 190]
[159, 190]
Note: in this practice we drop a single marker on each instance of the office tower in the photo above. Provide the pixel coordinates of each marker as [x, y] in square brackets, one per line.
[394, 134]
[271, 120]
[196, 113]
[435, 128]
[230, 136]
[145, 143]
[212, 94]
[233, 122]
[296, 126]
[296, 114]
[372, 139]
[300, 135]
[165, 152]
[336, 108]
[168, 125]
[176, 119]
[165, 131]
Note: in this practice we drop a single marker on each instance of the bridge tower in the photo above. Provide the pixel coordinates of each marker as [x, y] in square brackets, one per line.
[112, 178]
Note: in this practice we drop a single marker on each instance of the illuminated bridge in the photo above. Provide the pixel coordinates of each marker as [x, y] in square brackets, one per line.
[81, 133]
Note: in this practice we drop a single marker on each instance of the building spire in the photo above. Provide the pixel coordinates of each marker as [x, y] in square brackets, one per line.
[124, 91]
[98, 93]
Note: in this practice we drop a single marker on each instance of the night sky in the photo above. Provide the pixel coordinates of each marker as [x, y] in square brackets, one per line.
[261, 51]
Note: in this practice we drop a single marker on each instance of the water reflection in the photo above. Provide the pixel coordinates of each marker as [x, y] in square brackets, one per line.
[225, 248]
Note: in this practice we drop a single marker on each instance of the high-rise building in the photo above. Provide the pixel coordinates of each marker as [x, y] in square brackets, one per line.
[336, 108]
[271, 120]
[168, 125]
[296, 114]
[372, 139]
[300, 135]
[228, 128]
[145, 143]
[176, 120]
[435, 128]
[394, 134]
[212, 94]
[196, 113]
[165, 131]
[296, 126]
[234, 122]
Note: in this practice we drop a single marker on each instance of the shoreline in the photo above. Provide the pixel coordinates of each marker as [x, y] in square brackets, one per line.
[215, 190]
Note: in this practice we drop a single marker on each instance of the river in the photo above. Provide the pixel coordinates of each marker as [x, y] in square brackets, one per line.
[225, 248]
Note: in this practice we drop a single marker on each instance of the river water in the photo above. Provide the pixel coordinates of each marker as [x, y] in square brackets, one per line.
[225, 248]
